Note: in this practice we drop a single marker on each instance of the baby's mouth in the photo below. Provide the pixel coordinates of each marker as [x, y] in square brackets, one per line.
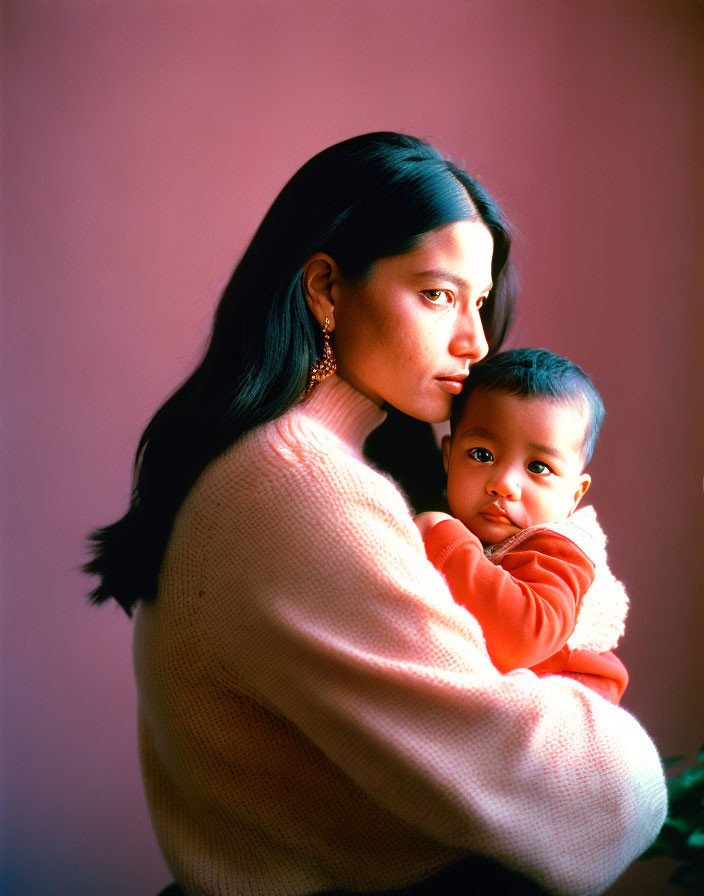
[497, 514]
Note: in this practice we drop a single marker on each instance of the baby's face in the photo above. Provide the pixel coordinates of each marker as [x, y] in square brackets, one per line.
[514, 462]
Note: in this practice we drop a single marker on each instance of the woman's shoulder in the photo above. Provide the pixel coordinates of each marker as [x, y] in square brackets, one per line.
[295, 474]
[326, 429]
[314, 451]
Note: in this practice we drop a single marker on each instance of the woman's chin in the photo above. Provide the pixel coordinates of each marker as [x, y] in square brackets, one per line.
[431, 411]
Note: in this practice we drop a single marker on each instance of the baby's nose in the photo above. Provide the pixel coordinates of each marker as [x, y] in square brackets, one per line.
[504, 484]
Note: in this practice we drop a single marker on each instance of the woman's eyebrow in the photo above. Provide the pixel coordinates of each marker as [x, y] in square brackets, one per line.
[446, 274]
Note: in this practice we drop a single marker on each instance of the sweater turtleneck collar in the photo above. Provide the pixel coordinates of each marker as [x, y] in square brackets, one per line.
[344, 410]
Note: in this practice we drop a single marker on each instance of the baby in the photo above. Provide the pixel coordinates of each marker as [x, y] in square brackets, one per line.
[518, 554]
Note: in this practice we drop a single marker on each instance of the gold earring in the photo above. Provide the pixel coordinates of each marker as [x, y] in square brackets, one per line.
[325, 365]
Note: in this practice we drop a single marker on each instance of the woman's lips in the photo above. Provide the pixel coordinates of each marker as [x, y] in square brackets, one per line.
[452, 384]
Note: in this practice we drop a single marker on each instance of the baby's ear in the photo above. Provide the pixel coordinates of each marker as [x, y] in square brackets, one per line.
[446, 445]
[585, 480]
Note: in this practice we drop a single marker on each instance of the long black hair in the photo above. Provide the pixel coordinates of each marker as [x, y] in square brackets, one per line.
[366, 198]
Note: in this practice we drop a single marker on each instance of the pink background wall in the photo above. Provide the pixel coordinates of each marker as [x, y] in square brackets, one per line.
[143, 141]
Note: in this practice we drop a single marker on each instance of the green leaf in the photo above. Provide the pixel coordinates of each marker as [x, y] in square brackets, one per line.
[693, 777]
[696, 839]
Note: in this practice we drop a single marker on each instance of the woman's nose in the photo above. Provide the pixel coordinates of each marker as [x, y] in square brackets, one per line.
[504, 483]
[468, 339]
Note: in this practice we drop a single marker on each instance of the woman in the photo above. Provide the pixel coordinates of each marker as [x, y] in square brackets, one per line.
[315, 712]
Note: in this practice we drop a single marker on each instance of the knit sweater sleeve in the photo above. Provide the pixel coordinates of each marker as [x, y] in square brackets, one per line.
[528, 604]
[349, 633]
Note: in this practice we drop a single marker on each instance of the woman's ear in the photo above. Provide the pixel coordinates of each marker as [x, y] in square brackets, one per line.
[319, 276]
[585, 481]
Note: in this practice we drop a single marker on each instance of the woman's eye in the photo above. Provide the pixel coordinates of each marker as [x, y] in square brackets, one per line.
[537, 466]
[480, 302]
[439, 296]
[481, 455]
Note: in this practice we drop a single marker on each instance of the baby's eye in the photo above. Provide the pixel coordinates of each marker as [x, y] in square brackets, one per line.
[439, 296]
[481, 455]
[537, 466]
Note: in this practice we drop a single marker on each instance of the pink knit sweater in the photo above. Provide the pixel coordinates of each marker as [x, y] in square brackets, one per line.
[316, 712]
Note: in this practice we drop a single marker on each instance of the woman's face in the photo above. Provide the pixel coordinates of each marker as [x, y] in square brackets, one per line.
[408, 333]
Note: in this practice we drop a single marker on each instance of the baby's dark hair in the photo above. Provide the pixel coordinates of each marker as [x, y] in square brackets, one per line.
[536, 373]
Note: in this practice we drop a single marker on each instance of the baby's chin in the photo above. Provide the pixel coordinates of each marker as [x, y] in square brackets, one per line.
[491, 531]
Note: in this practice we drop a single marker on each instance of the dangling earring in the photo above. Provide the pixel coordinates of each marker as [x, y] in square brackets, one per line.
[324, 366]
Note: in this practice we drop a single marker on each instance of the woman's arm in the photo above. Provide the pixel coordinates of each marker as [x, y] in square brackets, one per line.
[352, 635]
